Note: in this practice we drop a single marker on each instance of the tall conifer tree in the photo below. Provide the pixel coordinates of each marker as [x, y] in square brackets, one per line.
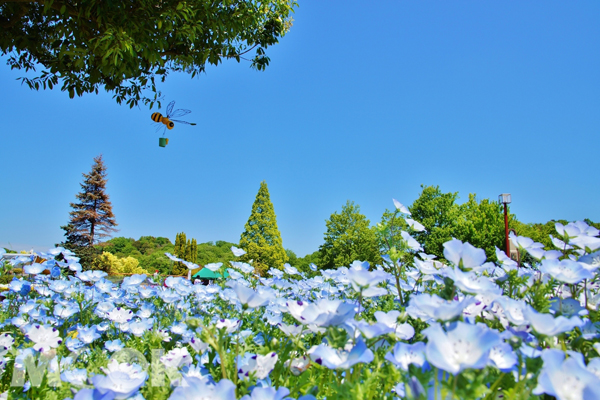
[92, 217]
[261, 239]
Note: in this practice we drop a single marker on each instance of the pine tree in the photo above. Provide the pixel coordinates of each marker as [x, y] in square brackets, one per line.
[261, 239]
[92, 217]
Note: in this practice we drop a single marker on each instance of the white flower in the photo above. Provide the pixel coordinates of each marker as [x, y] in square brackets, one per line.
[401, 207]
[44, 337]
[261, 366]
[177, 358]
[120, 315]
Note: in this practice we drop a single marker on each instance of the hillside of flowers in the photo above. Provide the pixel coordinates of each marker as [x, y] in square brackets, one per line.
[414, 327]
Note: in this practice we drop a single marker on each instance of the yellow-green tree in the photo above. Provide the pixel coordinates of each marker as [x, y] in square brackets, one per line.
[114, 265]
[261, 238]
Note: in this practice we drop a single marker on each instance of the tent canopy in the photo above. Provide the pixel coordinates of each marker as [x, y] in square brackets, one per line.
[206, 273]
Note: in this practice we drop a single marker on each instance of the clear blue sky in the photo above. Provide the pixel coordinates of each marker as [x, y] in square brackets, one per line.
[363, 101]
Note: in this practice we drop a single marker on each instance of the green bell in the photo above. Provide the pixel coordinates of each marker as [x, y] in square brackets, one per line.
[162, 142]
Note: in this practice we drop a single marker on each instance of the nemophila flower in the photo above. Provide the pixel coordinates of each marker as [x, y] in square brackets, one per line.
[410, 241]
[113, 345]
[566, 379]
[370, 331]
[122, 379]
[313, 266]
[567, 307]
[177, 358]
[134, 280]
[44, 337]
[248, 297]
[536, 250]
[546, 324]
[230, 325]
[503, 357]
[594, 366]
[76, 377]
[362, 279]
[60, 285]
[25, 289]
[470, 282]
[341, 359]
[402, 331]
[291, 330]
[91, 276]
[120, 315]
[213, 266]
[193, 388]
[403, 354]
[258, 365]
[6, 343]
[463, 255]
[464, 346]
[513, 310]
[431, 306]
[34, 268]
[417, 226]
[237, 252]
[567, 270]
[87, 334]
[74, 344]
[400, 207]
[323, 313]
[198, 345]
[267, 393]
[55, 272]
[298, 365]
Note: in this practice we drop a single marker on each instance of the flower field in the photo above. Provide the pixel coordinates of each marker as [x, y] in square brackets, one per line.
[414, 327]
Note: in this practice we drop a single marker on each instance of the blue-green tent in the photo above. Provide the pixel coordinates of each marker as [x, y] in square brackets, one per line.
[206, 273]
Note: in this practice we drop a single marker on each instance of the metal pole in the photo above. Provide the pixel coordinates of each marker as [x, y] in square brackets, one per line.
[506, 231]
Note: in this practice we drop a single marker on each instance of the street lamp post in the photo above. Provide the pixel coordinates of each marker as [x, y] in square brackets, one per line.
[505, 199]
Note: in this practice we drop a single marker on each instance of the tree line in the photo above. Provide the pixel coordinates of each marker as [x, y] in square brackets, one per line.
[432, 219]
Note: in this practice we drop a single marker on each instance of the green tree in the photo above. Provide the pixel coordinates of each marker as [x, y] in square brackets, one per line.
[125, 47]
[180, 252]
[92, 217]
[482, 225]
[439, 214]
[261, 238]
[348, 238]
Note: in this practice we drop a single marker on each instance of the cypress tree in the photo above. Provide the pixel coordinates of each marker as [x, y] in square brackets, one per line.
[180, 245]
[194, 256]
[92, 217]
[261, 238]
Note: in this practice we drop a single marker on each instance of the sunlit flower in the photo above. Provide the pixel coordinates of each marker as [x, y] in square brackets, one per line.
[404, 354]
[464, 346]
[258, 365]
[122, 379]
[44, 337]
[202, 389]
[463, 255]
[566, 379]
[341, 359]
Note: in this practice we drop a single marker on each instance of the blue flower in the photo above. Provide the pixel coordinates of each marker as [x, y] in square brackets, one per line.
[566, 379]
[194, 388]
[341, 359]
[465, 346]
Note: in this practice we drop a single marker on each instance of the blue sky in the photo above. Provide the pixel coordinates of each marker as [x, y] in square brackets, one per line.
[363, 101]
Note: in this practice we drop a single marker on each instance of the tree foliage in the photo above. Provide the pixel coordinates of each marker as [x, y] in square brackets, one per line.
[126, 47]
[119, 266]
[348, 238]
[482, 225]
[261, 238]
[439, 214]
